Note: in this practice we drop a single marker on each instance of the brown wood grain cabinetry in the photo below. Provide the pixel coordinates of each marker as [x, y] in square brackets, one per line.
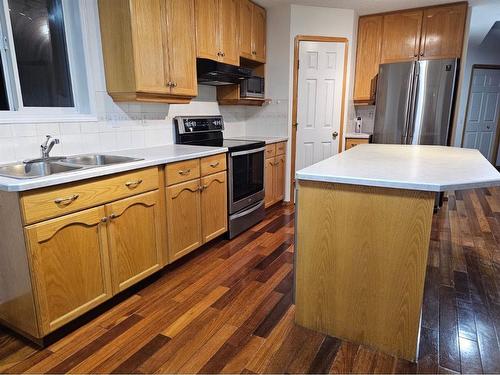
[252, 31]
[148, 48]
[217, 29]
[367, 57]
[352, 142]
[445, 23]
[401, 36]
[135, 239]
[196, 208]
[69, 266]
[417, 34]
[274, 173]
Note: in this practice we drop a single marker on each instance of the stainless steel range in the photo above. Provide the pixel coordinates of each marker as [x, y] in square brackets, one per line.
[245, 162]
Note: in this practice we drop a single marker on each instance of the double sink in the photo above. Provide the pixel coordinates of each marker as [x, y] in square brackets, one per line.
[46, 167]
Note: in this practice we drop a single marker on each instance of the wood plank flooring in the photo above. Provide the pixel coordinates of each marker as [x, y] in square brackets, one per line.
[228, 308]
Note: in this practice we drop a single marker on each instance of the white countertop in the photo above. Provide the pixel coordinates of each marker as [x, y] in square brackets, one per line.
[428, 168]
[357, 135]
[269, 140]
[152, 156]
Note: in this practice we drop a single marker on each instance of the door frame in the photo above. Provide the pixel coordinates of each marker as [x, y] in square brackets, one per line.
[312, 38]
[497, 132]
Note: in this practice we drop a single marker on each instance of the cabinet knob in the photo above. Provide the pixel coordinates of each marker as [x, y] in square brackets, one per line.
[184, 172]
[421, 54]
[215, 164]
[104, 219]
[169, 84]
[174, 84]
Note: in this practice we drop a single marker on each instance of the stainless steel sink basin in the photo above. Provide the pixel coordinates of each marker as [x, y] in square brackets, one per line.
[97, 160]
[33, 170]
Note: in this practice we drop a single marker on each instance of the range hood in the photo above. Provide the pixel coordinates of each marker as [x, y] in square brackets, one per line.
[214, 73]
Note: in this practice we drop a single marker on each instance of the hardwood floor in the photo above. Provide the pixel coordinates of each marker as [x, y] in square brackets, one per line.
[228, 308]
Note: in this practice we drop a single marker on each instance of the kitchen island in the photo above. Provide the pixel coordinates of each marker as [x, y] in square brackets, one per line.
[363, 230]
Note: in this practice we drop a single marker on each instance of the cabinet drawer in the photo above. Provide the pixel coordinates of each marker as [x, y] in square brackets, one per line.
[56, 201]
[280, 148]
[213, 164]
[351, 142]
[182, 171]
[270, 150]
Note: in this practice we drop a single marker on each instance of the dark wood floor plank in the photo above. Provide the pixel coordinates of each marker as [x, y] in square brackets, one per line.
[325, 356]
[470, 358]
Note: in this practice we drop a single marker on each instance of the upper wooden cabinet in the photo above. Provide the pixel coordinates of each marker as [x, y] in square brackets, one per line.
[252, 31]
[401, 36]
[148, 48]
[368, 56]
[417, 34]
[217, 30]
[443, 23]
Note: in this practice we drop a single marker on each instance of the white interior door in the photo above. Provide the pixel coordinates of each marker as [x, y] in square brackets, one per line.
[319, 101]
[483, 110]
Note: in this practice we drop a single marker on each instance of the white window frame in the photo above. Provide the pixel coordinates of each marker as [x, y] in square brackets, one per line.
[75, 24]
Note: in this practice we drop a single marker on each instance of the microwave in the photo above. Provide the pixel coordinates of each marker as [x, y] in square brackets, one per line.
[252, 87]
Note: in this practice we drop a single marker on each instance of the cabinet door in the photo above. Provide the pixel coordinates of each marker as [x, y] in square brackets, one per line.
[134, 237]
[150, 56]
[401, 36]
[367, 56]
[443, 32]
[259, 33]
[214, 205]
[229, 30]
[269, 182]
[246, 48]
[181, 47]
[279, 178]
[207, 29]
[183, 218]
[70, 266]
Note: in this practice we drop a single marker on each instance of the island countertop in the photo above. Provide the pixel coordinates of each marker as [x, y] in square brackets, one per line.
[150, 157]
[413, 167]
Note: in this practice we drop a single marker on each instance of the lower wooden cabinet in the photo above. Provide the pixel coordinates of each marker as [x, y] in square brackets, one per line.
[196, 213]
[274, 179]
[352, 142]
[183, 218]
[69, 266]
[135, 239]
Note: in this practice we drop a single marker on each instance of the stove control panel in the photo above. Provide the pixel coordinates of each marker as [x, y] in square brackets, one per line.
[197, 124]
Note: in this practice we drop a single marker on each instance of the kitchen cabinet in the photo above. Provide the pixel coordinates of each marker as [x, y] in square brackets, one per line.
[69, 265]
[274, 173]
[149, 50]
[197, 206]
[401, 36]
[217, 29]
[435, 32]
[444, 23]
[367, 58]
[352, 142]
[135, 239]
[252, 31]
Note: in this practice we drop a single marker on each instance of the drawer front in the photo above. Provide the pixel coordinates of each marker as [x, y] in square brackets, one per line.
[182, 171]
[213, 164]
[351, 142]
[270, 151]
[280, 148]
[48, 203]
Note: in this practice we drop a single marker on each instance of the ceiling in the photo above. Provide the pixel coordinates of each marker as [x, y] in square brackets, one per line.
[362, 6]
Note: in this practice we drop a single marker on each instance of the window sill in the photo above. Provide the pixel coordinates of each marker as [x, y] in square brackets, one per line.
[18, 118]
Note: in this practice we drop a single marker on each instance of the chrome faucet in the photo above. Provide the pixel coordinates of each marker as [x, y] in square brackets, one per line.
[47, 146]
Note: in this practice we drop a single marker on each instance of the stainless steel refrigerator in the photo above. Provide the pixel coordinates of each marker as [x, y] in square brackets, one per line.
[414, 102]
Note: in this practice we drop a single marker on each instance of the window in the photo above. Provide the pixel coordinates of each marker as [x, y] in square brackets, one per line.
[42, 66]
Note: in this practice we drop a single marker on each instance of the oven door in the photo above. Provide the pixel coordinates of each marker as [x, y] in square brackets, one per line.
[246, 178]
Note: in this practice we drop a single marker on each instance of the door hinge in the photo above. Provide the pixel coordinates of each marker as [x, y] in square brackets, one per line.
[298, 64]
[5, 43]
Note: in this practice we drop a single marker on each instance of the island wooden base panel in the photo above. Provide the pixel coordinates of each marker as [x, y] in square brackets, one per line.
[361, 259]
[181, 320]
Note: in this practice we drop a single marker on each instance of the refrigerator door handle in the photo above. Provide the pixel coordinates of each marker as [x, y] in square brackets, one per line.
[408, 104]
[413, 101]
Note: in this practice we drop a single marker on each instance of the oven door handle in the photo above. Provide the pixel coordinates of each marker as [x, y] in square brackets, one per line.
[246, 212]
[238, 153]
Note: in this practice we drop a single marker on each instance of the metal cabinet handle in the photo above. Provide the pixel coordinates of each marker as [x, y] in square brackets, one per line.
[113, 216]
[133, 184]
[421, 54]
[174, 84]
[185, 172]
[169, 84]
[104, 219]
[66, 201]
[215, 164]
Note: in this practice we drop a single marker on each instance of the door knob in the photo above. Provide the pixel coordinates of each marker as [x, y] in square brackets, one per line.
[335, 134]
